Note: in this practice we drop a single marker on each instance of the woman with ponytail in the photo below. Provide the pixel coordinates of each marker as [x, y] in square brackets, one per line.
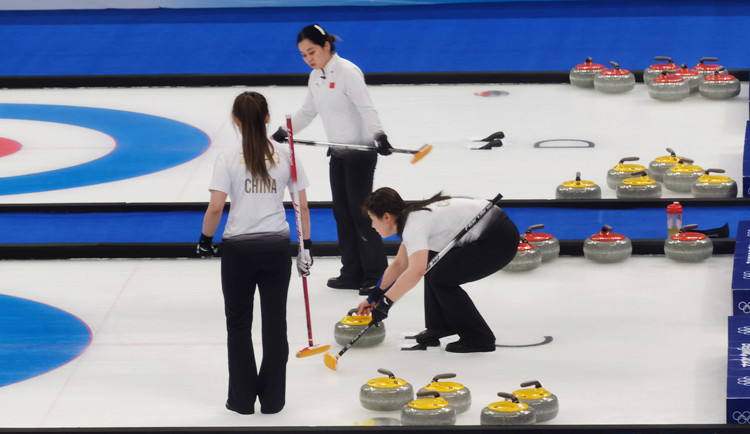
[338, 93]
[255, 253]
[425, 228]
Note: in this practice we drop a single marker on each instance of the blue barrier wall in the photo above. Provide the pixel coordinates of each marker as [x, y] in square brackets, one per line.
[451, 37]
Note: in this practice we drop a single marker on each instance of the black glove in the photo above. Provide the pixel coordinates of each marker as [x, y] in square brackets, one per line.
[374, 293]
[205, 247]
[280, 135]
[384, 148]
[380, 312]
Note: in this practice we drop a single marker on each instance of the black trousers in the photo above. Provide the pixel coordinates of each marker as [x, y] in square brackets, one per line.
[363, 258]
[244, 267]
[447, 306]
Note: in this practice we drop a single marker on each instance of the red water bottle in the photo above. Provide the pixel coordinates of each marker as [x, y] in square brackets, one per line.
[674, 218]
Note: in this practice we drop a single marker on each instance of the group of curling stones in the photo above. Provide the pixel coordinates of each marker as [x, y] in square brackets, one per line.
[439, 402]
[635, 181]
[533, 249]
[666, 81]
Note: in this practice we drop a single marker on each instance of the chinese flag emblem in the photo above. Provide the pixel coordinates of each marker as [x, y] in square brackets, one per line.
[332, 85]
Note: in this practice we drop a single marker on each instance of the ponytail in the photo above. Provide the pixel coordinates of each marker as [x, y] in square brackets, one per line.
[251, 110]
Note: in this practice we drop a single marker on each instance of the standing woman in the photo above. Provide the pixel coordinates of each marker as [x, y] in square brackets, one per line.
[255, 252]
[425, 228]
[337, 92]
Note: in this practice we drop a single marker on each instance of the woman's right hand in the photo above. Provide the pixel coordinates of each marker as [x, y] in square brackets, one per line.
[365, 308]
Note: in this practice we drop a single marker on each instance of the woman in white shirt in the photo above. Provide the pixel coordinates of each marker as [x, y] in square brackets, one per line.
[255, 253]
[337, 92]
[425, 228]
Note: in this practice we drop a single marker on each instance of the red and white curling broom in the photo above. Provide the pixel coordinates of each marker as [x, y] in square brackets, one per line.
[311, 349]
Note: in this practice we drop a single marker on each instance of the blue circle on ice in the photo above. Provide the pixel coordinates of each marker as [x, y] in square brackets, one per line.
[144, 144]
[36, 338]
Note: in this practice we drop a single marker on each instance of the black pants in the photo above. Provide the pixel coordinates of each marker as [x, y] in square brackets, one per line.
[363, 257]
[243, 267]
[447, 306]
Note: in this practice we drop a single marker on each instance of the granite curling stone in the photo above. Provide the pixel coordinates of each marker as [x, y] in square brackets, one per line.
[615, 80]
[640, 186]
[686, 246]
[719, 85]
[544, 403]
[621, 171]
[682, 175]
[657, 69]
[718, 186]
[350, 326]
[527, 257]
[385, 393]
[668, 87]
[691, 77]
[428, 409]
[548, 245]
[456, 394]
[660, 165]
[578, 189]
[583, 75]
[607, 246]
[508, 412]
[703, 69]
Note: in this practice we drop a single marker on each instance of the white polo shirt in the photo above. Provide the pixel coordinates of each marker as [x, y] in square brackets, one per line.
[255, 207]
[339, 95]
[434, 229]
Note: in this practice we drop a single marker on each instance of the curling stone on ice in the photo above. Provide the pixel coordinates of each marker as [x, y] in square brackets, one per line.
[527, 257]
[669, 87]
[720, 85]
[703, 69]
[682, 175]
[691, 77]
[640, 186]
[548, 245]
[428, 409]
[544, 403]
[456, 394]
[509, 412]
[719, 186]
[655, 70]
[614, 80]
[621, 171]
[385, 393]
[578, 189]
[607, 246]
[686, 246]
[659, 165]
[583, 75]
[350, 326]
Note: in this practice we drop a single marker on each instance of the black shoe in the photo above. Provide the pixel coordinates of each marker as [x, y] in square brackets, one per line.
[265, 410]
[429, 335]
[230, 408]
[461, 346]
[340, 283]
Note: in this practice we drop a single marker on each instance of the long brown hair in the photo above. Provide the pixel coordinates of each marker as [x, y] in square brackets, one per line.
[387, 200]
[251, 109]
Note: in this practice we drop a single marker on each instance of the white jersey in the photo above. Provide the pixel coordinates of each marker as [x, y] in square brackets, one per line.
[339, 95]
[434, 229]
[255, 207]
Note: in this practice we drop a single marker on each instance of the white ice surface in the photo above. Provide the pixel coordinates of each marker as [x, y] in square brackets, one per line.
[639, 342]
[447, 116]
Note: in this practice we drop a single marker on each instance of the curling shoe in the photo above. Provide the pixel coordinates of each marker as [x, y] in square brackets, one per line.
[429, 336]
[341, 283]
[462, 346]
